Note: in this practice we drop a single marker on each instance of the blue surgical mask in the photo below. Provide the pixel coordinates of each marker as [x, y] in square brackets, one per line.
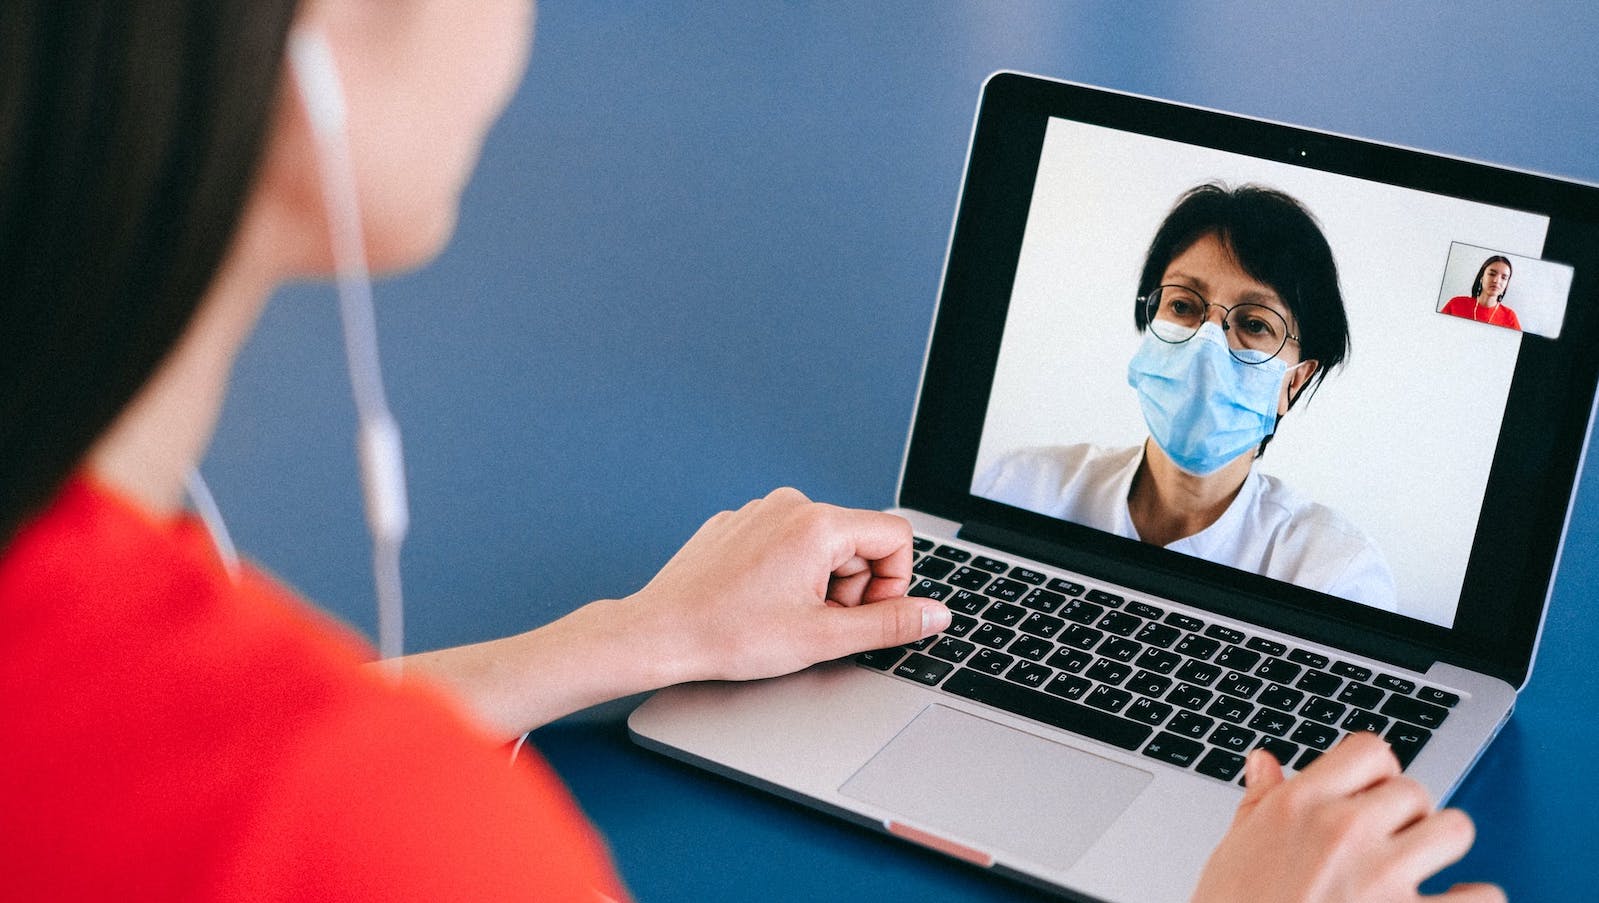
[1204, 408]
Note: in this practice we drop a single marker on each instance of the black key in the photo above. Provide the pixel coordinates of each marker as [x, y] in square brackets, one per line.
[1026, 575]
[990, 662]
[1272, 722]
[1241, 685]
[1238, 658]
[1106, 671]
[922, 669]
[1229, 708]
[1100, 597]
[992, 635]
[1190, 724]
[1042, 625]
[1069, 660]
[1396, 684]
[1067, 686]
[1029, 674]
[1119, 649]
[1189, 696]
[1320, 682]
[1198, 672]
[1080, 636]
[1364, 696]
[1219, 763]
[1361, 720]
[1310, 733]
[1147, 710]
[1270, 647]
[1066, 587]
[1004, 614]
[1159, 660]
[1043, 600]
[930, 589]
[1018, 700]
[1081, 612]
[922, 643]
[1414, 711]
[1438, 697]
[1184, 622]
[1145, 610]
[1225, 634]
[1307, 658]
[1309, 756]
[1120, 623]
[935, 568]
[1161, 635]
[1196, 646]
[1233, 737]
[1108, 698]
[1031, 647]
[1149, 684]
[1179, 751]
[959, 556]
[969, 578]
[1407, 740]
[1056, 712]
[1282, 750]
[960, 625]
[1007, 590]
[922, 544]
[1353, 672]
[1326, 711]
[993, 566]
[881, 659]
[1278, 670]
[966, 601]
[952, 650]
[1281, 697]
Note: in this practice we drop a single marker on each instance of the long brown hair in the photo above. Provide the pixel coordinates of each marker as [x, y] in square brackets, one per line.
[130, 133]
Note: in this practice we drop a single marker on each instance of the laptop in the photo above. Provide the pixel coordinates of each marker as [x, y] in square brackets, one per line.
[1383, 562]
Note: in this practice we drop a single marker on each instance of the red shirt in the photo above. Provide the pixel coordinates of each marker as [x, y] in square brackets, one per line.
[169, 733]
[1467, 307]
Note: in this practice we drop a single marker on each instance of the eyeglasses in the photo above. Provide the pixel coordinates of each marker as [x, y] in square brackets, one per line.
[1255, 333]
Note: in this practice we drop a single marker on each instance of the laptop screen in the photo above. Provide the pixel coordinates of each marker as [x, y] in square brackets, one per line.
[1336, 387]
[1183, 363]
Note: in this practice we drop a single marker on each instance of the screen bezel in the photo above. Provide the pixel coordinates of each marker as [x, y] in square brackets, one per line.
[1537, 456]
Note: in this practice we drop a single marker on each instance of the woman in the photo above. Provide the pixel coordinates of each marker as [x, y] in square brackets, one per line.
[1242, 316]
[180, 730]
[1486, 303]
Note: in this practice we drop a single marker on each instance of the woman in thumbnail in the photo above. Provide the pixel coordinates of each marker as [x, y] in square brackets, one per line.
[1242, 315]
[1486, 303]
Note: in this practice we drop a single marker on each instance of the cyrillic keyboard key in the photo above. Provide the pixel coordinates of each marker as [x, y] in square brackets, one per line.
[1004, 614]
[1278, 670]
[1326, 711]
[1190, 724]
[1362, 720]
[960, 625]
[969, 578]
[1272, 722]
[1031, 647]
[1159, 660]
[992, 635]
[1147, 710]
[1196, 646]
[1120, 623]
[1067, 686]
[1069, 660]
[1219, 763]
[1081, 612]
[1281, 749]
[1029, 674]
[1312, 734]
[1019, 700]
[1161, 635]
[1414, 711]
[1108, 698]
[1238, 658]
[1319, 682]
[1043, 600]
[951, 650]
[990, 662]
[1363, 696]
[1233, 737]
[1407, 740]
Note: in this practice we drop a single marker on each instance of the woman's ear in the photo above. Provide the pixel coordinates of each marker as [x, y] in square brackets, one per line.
[1298, 376]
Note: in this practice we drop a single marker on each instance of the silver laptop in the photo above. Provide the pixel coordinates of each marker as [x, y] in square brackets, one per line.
[1145, 586]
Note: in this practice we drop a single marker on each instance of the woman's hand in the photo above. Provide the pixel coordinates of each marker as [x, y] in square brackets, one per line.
[775, 586]
[783, 583]
[1349, 828]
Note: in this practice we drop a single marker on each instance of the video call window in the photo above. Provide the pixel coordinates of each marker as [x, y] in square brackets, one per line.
[1247, 362]
[1492, 286]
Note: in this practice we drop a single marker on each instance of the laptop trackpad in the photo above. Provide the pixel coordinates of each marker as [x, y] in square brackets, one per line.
[1009, 792]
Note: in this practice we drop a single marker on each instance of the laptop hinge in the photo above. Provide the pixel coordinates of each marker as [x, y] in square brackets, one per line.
[1359, 639]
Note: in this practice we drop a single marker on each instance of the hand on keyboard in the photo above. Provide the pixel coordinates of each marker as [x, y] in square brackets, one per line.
[1349, 827]
[783, 583]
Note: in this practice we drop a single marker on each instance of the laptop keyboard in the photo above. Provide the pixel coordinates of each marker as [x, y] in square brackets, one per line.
[1144, 678]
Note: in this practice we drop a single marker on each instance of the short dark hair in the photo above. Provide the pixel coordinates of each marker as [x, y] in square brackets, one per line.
[1277, 242]
[130, 134]
[1476, 284]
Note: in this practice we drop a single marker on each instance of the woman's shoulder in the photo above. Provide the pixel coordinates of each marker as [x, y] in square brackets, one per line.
[1322, 544]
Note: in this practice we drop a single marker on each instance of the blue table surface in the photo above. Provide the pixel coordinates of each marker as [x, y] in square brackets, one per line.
[699, 260]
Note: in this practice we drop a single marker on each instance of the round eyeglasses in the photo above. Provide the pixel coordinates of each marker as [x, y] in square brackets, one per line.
[1255, 333]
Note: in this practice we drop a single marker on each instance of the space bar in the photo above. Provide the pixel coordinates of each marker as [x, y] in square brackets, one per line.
[1019, 700]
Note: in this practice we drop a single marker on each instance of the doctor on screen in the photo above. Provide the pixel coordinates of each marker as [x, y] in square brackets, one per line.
[1241, 315]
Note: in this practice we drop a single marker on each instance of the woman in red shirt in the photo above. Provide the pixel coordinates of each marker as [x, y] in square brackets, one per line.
[1486, 303]
[181, 727]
